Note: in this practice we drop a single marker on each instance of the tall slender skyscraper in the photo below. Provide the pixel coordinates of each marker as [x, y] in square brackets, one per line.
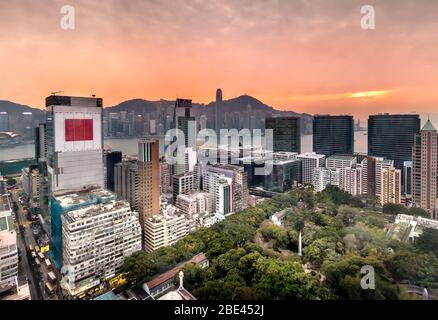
[218, 110]
[148, 199]
[286, 133]
[333, 134]
[183, 116]
[74, 142]
[424, 169]
[184, 120]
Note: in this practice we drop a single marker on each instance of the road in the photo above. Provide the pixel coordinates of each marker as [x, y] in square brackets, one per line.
[26, 238]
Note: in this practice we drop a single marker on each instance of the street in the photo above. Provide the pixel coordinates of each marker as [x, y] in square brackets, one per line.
[27, 264]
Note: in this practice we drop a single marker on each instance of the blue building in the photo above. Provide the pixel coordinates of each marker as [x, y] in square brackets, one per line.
[70, 200]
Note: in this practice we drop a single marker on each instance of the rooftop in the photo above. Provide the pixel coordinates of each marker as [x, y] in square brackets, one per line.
[95, 209]
[428, 126]
[158, 280]
[86, 196]
[312, 155]
[342, 158]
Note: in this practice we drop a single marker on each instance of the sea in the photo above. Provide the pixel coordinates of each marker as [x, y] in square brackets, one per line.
[129, 146]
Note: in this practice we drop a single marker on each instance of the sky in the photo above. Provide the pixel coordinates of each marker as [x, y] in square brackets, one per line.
[302, 55]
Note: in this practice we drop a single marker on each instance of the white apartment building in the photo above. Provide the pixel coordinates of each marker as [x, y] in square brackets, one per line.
[163, 231]
[353, 180]
[310, 161]
[96, 239]
[194, 203]
[341, 162]
[323, 177]
[223, 195]
[8, 246]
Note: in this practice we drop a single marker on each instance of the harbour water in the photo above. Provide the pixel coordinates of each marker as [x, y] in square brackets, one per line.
[129, 146]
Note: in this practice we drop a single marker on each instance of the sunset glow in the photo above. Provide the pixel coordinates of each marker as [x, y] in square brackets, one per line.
[306, 56]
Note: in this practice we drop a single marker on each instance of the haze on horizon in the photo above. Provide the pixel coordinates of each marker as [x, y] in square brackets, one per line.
[303, 55]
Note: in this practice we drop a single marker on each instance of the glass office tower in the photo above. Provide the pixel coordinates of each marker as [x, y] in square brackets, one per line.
[333, 134]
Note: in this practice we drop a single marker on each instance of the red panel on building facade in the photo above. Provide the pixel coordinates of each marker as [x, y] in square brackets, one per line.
[78, 129]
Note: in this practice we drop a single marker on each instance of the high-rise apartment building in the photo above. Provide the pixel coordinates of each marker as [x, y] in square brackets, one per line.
[64, 201]
[323, 177]
[148, 198]
[126, 181]
[74, 142]
[239, 184]
[333, 134]
[286, 133]
[166, 177]
[223, 195]
[194, 203]
[391, 186]
[8, 246]
[341, 162]
[353, 180]
[40, 142]
[163, 231]
[310, 161]
[96, 239]
[182, 184]
[424, 169]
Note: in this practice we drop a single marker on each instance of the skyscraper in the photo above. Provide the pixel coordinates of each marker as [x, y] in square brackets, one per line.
[218, 110]
[392, 136]
[40, 141]
[74, 142]
[148, 180]
[183, 121]
[333, 134]
[111, 159]
[286, 133]
[183, 116]
[424, 169]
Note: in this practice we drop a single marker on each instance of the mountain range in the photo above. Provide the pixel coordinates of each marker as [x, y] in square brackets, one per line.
[239, 105]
